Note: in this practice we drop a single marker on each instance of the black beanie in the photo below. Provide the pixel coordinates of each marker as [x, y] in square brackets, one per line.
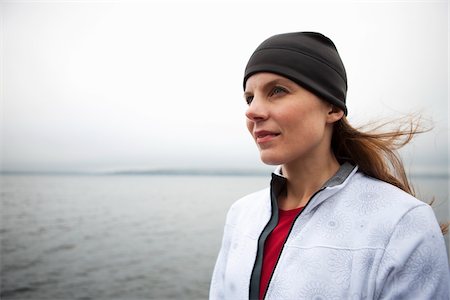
[308, 58]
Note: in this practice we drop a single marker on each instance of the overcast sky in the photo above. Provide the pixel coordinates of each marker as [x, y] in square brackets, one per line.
[113, 85]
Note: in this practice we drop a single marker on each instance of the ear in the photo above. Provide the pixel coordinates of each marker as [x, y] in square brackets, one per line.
[334, 114]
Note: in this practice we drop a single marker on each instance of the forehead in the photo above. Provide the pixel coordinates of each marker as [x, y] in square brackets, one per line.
[260, 80]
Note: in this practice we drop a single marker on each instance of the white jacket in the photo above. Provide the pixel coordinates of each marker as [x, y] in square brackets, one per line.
[357, 238]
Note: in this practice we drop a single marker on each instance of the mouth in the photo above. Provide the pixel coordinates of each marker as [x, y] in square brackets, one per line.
[264, 136]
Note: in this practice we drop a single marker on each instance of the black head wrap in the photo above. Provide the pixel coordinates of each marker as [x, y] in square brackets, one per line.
[308, 58]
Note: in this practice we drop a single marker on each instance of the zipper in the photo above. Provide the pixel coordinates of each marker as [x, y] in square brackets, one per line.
[253, 282]
[287, 236]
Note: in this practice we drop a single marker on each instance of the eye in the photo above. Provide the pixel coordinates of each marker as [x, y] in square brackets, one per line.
[277, 90]
[248, 99]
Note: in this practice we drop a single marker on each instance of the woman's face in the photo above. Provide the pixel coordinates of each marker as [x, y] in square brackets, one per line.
[287, 122]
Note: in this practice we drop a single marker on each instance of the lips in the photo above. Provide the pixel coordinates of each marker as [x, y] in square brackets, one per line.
[264, 136]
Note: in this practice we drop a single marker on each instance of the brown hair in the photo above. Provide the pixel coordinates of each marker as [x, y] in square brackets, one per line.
[375, 151]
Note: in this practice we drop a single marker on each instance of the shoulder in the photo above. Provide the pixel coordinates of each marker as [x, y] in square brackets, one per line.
[249, 204]
[375, 211]
[374, 192]
[252, 199]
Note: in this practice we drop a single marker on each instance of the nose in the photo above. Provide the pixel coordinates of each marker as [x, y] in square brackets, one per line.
[257, 110]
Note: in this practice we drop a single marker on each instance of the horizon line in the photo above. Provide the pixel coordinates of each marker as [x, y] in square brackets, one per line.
[187, 172]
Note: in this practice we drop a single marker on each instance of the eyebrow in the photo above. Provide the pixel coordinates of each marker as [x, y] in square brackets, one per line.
[270, 83]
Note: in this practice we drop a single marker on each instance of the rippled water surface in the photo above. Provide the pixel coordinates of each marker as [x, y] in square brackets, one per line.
[108, 237]
[121, 237]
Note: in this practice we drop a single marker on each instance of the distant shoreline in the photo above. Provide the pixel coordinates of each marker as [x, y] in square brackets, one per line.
[168, 172]
[182, 172]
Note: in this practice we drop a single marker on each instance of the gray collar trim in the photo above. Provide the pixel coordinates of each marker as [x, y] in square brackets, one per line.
[340, 176]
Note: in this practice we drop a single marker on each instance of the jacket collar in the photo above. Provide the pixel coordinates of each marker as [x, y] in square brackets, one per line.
[330, 187]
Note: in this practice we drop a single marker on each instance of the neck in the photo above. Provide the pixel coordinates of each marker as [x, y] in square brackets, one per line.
[304, 178]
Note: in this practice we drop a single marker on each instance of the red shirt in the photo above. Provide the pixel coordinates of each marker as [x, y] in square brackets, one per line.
[273, 245]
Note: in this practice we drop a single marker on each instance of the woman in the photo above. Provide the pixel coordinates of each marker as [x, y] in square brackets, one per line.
[338, 222]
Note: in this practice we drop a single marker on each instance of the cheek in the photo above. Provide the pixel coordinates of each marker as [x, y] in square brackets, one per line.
[304, 126]
[250, 126]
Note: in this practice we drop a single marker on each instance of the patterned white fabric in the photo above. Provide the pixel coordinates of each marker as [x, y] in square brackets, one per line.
[362, 239]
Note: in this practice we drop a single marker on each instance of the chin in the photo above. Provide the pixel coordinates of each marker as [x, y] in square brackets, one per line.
[271, 160]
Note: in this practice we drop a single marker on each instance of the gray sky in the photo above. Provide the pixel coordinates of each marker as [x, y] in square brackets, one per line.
[113, 85]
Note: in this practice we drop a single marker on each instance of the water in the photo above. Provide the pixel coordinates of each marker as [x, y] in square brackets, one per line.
[122, 237]
[108, 237]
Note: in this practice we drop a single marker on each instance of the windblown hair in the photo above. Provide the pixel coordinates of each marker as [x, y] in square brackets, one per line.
[375, 151]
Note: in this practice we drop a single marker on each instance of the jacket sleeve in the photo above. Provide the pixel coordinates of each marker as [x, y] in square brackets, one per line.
[414, 264]
[217, 288]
